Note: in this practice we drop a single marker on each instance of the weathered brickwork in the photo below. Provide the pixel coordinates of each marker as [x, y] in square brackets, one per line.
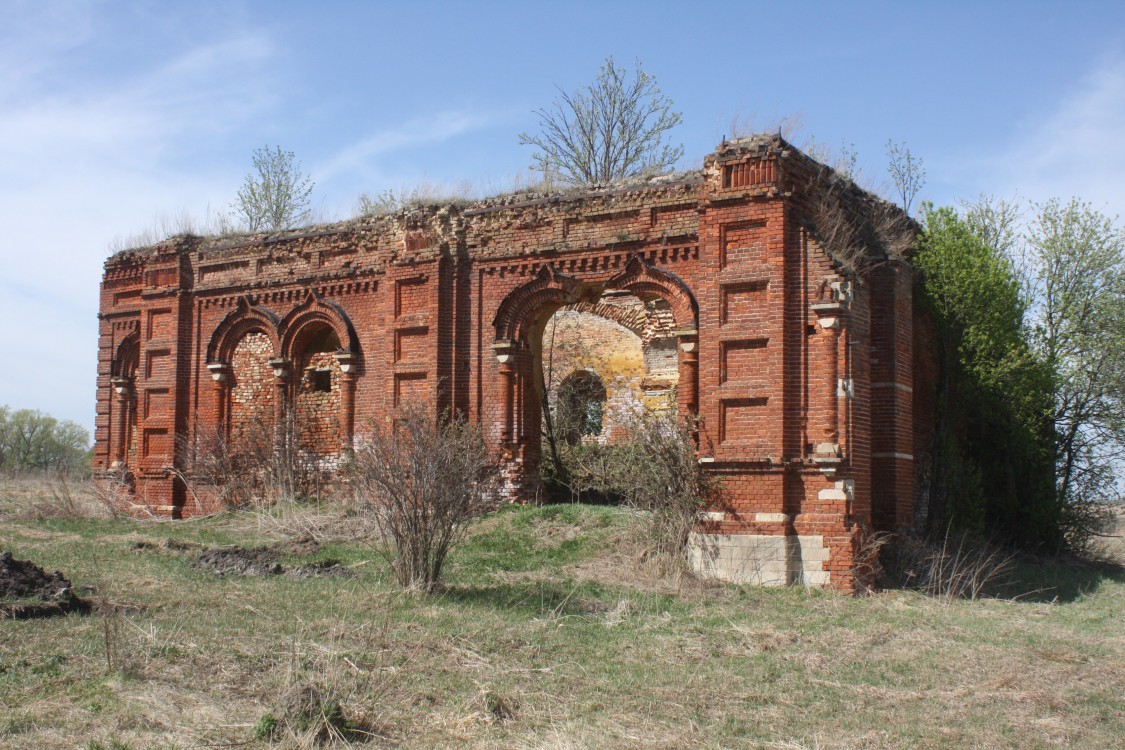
[795, 348]
[252, 385]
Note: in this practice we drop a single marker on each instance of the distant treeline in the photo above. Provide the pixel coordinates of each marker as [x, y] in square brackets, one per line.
[31, 441]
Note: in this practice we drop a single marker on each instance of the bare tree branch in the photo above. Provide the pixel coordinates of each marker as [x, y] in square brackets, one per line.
[611, 130]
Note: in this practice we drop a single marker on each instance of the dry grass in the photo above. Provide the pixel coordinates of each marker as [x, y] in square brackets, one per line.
[547, 635]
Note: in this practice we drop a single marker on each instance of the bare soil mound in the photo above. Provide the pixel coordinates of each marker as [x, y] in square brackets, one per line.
[22, 579]
[241, 561]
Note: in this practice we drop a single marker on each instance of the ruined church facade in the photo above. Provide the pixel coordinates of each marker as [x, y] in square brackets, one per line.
[763, 292]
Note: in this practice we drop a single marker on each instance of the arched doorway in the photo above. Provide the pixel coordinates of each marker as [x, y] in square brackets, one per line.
[521, 322]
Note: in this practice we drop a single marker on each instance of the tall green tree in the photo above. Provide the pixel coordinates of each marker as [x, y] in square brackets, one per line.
[1074, 266]
[992, 470]
[33, 441]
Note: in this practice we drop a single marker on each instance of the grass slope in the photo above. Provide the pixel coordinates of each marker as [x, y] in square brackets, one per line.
[546, 636]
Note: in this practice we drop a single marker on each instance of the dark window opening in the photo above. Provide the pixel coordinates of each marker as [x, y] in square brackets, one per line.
[320, 381]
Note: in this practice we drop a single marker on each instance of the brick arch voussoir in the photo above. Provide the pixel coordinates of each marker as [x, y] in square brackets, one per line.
[236, 325]
[316, 311]
[644, 281]
[550, 289]
[634, 320]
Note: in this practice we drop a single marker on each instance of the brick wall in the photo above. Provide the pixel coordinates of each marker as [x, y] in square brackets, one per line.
[796, 354]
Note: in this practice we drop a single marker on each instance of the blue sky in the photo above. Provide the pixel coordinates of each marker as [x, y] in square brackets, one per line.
[118, 117]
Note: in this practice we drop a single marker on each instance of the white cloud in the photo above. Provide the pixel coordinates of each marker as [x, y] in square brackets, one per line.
[85, 158]
[416, 132]
[1076, 149]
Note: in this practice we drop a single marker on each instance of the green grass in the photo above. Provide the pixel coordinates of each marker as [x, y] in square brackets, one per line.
[546, 635]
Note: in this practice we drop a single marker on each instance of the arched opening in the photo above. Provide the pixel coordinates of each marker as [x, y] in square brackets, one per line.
[652, 305]
[317, 392]
[124, 435]
[606, 364]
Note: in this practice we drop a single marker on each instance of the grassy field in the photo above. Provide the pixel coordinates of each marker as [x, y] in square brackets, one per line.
[549, 634]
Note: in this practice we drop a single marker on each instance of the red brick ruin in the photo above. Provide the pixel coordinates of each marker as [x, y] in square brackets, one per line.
[763, 291]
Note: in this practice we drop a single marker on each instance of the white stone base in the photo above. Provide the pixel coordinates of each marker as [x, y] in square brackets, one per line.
[760, 560]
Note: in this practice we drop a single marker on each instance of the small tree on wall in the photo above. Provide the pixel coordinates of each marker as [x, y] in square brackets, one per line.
[907, 171]
[612, 129]
[275, 195]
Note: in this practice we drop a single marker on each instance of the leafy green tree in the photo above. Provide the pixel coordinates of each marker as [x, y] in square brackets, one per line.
[613, 129]
[1075, 272]
[992, 470]
[276, 194]
[33, 441]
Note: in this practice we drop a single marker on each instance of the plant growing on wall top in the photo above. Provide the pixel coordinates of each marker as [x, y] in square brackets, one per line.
[609, 130]
[275, 195]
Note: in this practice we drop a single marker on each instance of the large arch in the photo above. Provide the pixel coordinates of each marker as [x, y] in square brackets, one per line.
[245, 318]
[522, 309]
[519, 323]
[645, 281]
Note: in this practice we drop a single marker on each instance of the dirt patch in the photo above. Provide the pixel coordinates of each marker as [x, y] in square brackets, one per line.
[241, 561]
[22, 579]
[265, 561]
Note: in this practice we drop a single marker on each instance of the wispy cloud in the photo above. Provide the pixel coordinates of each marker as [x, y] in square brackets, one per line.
[1075, 149]
[129, 121]
[88, 154]
[416, 132]
[34, 35]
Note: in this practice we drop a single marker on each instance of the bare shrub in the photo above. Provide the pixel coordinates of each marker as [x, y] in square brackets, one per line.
[257, 464]
[113, 491]
[58, 496]
[854, 226]
[663, 476]
[424, 479]
[656, 470]
[868, 564]
[953, 567]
